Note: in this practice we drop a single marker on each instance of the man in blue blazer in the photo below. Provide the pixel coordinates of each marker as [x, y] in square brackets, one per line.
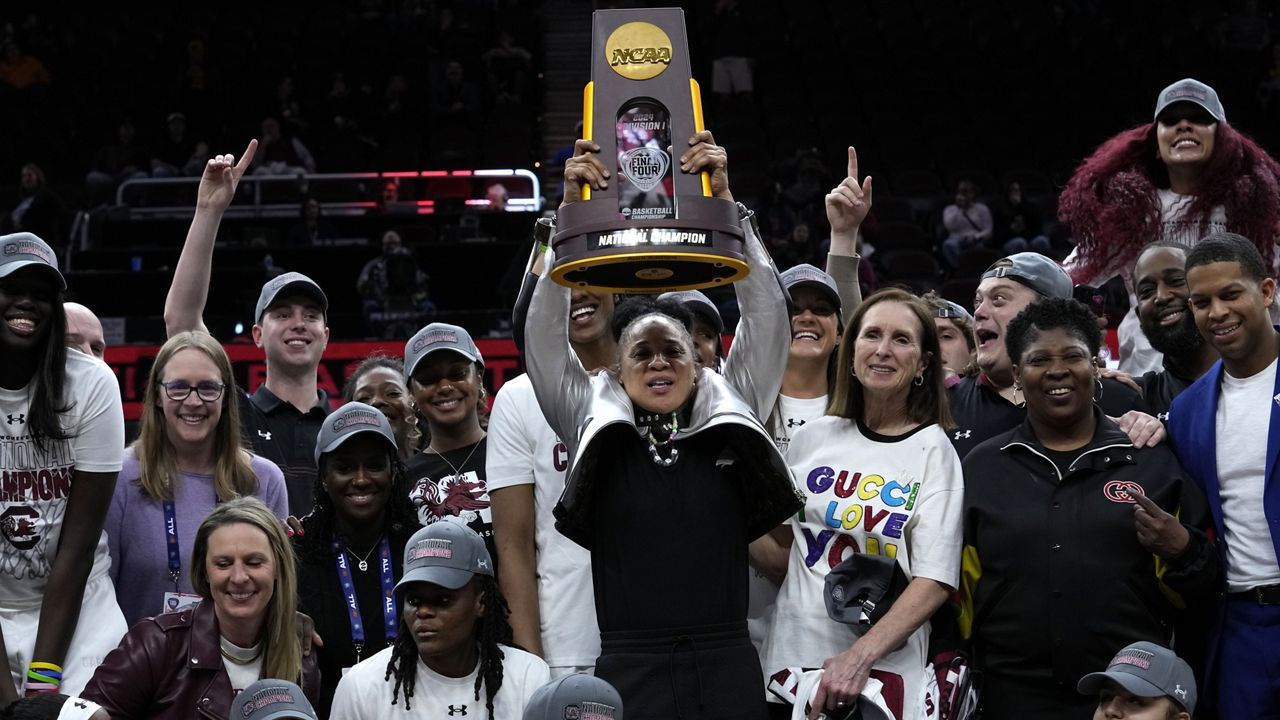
[1226, 432]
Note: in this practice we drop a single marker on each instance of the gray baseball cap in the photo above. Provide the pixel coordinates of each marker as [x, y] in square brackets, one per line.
[439, 336]
[290, 283]
[22, 249]
[951, 309]
[445, 553]
[1192, 91]
[1035, 271]
[1147, 670]
[350, 420]
[579, 695]
[699, 304]
[806, 275]
[272, 700]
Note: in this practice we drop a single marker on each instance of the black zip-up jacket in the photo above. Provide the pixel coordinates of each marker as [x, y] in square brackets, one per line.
[1054, 579]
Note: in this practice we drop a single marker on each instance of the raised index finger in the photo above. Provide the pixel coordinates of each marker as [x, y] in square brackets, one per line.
[1146, 503]
[247, 158]
[853, 163]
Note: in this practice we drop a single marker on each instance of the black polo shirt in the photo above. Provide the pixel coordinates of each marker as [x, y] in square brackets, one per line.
[1160, 388]
[287, 438]
[981, 413]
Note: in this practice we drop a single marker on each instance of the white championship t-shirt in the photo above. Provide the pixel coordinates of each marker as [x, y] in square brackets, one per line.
[364, 693]
[1242, 424]
[902, 497]
[35, 482]
[523, 450]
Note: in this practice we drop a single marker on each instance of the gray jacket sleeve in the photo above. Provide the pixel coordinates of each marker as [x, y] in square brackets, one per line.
[560, 383]
[758, 357]
[844, 270]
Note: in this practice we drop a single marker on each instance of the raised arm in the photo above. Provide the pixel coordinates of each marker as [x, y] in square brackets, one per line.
[559, 381]
[847, 206]
[562, 386]
[542, 231]
[184, 306]
[757, 358]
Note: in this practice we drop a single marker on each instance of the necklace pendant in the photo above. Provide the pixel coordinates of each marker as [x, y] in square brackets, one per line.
[363, 565]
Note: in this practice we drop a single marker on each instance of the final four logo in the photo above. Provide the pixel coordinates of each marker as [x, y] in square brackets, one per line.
[645, 167]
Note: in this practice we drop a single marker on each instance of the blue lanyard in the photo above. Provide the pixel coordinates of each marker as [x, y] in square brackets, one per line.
[353, 605]
[171, 541]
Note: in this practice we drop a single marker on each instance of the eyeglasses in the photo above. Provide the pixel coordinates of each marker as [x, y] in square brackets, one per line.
[180, 390]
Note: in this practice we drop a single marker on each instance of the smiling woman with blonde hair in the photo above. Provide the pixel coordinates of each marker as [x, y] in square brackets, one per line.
[193, 662]
[188, 458]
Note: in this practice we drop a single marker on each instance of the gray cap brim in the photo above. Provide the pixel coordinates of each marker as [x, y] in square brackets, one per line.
[293, 289]
[342, 440]
[445, 577]
[1090, 684]
[409, 371]
[821, 287]
[10, 268]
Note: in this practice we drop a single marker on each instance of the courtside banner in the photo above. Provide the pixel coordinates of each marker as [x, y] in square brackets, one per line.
[132, 364]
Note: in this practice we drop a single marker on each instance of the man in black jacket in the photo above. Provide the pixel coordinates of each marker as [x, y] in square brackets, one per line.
[1160, 283]
[987, 404]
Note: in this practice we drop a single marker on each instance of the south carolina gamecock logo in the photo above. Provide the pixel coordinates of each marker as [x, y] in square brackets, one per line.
[1122, 491]
[20, 525]
[463, 497]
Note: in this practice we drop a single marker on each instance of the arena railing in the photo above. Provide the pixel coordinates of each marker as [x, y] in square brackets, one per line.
[421, 192]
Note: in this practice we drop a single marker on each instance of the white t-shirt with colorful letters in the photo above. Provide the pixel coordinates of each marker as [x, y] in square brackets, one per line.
[898, 496]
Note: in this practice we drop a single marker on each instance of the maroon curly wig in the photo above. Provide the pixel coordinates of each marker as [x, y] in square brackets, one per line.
[1111, 208]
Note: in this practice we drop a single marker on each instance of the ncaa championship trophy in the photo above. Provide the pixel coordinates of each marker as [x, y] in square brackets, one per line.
[654, 228]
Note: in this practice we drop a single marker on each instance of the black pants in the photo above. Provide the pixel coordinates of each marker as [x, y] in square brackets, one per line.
[710, 672]
[1008, 699]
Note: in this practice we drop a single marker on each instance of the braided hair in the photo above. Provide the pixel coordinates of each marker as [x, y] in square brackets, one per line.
[492, 631]
[399, 516]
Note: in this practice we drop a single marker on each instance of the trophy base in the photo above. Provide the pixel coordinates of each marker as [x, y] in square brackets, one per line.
[595, 250]
[651, 272]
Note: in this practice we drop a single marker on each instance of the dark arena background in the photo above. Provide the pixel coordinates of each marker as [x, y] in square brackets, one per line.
[448, 122]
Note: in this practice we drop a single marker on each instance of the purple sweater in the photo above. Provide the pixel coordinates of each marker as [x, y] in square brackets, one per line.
[136, 536]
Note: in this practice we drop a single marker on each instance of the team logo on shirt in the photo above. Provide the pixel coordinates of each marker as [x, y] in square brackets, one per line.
[20, 525]
[1122, 491]
[462, 496]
